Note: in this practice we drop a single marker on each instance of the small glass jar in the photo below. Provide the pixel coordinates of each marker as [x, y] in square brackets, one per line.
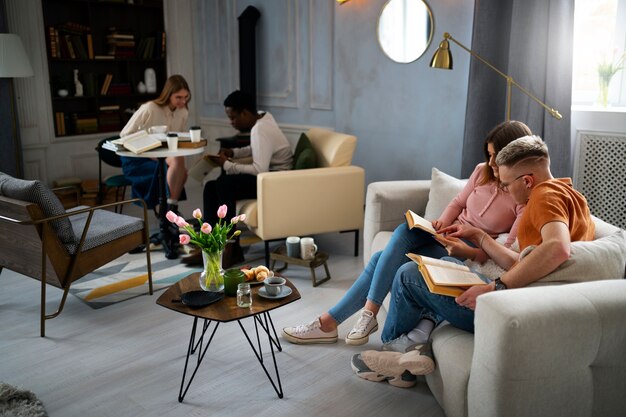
[244, 295]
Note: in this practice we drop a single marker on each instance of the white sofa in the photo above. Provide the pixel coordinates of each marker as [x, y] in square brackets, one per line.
[556, 350]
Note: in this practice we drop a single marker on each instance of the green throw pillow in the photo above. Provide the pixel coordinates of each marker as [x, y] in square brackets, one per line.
[304, 156]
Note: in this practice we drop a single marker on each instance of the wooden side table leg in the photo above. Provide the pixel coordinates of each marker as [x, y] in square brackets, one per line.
[315, 282]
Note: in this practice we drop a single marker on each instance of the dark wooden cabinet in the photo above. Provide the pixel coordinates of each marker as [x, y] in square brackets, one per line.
[111, 44]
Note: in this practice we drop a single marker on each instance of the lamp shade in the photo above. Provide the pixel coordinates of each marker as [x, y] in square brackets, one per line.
[442, 58]
[13, 59]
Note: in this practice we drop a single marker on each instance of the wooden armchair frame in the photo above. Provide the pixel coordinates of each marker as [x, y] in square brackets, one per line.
[26, 235]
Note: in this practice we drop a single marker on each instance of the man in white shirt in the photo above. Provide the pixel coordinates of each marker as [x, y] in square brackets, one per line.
[270, 151]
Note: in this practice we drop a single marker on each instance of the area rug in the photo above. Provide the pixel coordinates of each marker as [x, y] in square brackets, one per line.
[19, 403]
[127, 277]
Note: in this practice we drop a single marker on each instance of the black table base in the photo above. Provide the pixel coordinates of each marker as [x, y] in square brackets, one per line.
[263, 320]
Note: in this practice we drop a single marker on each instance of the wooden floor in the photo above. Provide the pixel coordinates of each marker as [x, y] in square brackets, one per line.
[127, 359]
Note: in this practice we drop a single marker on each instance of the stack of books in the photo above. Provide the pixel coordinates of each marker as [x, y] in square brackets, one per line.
[121, 45]
[85, 124]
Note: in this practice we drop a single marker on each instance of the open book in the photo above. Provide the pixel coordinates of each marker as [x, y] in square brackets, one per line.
[415, 220]
[443, 277]
[139, 142]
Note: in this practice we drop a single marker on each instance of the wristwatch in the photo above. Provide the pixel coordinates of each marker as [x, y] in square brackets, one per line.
[500, 285]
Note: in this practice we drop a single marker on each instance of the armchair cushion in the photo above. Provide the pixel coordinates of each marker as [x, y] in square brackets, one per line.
[35, 192]
[105, 227]
[304, 155]
[443, 189]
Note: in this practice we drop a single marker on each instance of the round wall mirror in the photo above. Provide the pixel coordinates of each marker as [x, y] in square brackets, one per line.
[405, 29]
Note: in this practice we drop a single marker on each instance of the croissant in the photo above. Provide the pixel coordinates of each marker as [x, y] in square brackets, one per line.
[260, 276]
[249, 274]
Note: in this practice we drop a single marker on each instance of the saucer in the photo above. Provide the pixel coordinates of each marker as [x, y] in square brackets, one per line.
[284, 293]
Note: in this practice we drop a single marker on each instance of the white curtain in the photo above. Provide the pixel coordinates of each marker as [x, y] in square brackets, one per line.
[532, 41]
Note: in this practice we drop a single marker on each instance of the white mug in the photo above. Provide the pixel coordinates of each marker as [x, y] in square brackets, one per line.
[308, 248]
[293, 246]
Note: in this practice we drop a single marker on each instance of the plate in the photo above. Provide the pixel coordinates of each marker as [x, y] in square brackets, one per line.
[284, 293]
[197, 299]
[253, 282]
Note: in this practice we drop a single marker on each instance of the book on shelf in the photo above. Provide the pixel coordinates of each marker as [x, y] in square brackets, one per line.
[105, 84]
[139, 142]
[90, 46]
[444, 277]
[70, 47]
[103, 57]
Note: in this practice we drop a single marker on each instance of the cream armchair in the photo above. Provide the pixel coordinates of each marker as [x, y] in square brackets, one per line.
[305, 202]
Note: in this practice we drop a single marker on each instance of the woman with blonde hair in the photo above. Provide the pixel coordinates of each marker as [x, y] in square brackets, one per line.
[169, 109]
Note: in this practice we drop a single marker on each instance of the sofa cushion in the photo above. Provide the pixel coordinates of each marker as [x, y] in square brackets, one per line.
[304, 155]
[443, 189]
[35, 192]
[594, 260]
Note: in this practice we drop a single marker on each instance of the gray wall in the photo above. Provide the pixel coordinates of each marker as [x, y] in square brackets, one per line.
[319, 63]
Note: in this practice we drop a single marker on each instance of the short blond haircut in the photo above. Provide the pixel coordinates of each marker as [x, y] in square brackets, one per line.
[531, 149]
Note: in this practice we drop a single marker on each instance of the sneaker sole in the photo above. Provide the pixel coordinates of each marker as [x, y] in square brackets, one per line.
[373, 376]
[416, 363]
[309, 341]
[361, 340]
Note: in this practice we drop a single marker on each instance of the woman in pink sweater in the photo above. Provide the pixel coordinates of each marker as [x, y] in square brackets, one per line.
[482, 203]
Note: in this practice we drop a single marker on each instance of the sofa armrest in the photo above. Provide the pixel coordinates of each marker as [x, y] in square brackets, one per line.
[310, 201]
[385, 205]
[555, 350]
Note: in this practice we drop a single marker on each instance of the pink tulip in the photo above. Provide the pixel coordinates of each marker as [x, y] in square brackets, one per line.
[206, 228]
[197, 214]
[242, 217]
[234, 220]
[221, 212]
[171, 216]
[184, 239]
[181, 222]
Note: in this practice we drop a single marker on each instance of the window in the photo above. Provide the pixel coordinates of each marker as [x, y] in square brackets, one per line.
[599, 36]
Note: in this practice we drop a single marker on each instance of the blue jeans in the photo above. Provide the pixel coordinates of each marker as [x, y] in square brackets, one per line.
[411, 301]
[375, 281]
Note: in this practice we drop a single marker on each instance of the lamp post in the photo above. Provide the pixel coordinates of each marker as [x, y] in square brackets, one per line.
[14, 63]
[442, 59]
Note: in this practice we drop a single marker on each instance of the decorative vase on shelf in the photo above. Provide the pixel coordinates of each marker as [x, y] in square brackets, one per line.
[212, 276]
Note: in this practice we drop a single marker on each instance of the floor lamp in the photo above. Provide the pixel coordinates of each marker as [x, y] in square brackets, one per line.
[14, 63]
[442, 59]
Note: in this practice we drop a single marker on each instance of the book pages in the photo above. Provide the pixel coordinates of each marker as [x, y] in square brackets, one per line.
[415, 220]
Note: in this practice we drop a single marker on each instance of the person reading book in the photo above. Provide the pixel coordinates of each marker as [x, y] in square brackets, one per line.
[481, 203]
[555, 215]
[270, 151]
[169, 109]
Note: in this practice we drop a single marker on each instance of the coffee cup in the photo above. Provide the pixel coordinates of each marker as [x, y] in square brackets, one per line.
[274, 285]
[172, 142]
[195, 133]
[158, 129]
[293, 246]
[308, 248]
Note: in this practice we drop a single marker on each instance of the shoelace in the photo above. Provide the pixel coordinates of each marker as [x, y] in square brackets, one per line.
[363, 322]
[305, 328]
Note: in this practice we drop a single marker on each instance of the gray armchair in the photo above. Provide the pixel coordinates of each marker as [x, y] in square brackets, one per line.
[41, 240]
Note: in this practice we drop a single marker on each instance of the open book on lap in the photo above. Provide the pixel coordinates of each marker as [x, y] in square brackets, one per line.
[444, 277]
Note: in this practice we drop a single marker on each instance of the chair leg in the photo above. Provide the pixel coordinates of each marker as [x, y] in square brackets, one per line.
[356, 242]
[267, 252]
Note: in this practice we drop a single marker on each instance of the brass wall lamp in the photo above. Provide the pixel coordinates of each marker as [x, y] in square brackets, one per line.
[442, 59]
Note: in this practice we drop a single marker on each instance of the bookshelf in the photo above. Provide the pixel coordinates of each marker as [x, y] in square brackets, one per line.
[111, 43]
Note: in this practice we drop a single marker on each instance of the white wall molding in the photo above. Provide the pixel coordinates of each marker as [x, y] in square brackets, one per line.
[320, 57]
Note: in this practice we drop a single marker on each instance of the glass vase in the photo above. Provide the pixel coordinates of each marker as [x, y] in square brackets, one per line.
[212, 276]
[603, 97]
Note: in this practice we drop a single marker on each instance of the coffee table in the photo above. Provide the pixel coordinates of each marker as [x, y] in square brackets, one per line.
[224, 311]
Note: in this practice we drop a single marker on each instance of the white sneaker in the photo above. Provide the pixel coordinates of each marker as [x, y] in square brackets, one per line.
[310, 333]
[401, 344]
[361, 331]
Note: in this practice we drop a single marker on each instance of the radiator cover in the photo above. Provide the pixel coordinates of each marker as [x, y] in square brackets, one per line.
[600, 174]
